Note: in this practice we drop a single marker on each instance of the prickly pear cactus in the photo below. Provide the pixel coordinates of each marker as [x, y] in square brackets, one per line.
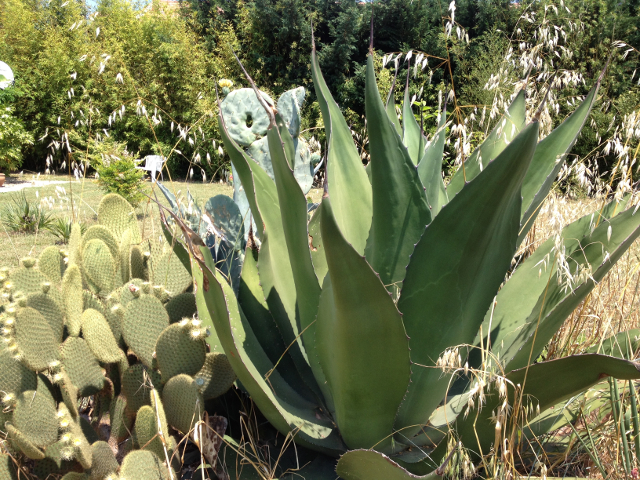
[86, 323]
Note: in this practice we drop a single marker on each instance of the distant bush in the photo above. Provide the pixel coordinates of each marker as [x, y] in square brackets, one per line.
[122, 177]
[21, 215]
[13, 137]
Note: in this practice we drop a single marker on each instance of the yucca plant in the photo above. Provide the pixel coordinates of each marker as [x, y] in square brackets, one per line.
[393, 316]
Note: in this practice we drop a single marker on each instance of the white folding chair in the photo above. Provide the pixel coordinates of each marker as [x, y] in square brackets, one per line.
[154, 165]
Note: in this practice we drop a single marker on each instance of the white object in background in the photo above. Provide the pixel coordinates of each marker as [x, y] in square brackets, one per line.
[153, 164]
[6, 75]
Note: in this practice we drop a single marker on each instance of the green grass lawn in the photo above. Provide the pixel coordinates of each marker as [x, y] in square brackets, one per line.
[81, 199]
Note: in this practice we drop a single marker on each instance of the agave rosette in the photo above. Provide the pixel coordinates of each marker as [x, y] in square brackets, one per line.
[340, 323]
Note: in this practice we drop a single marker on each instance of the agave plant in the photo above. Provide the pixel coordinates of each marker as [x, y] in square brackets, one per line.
[354, 330]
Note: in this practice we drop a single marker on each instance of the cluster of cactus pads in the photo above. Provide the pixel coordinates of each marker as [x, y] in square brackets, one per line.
[101, 353]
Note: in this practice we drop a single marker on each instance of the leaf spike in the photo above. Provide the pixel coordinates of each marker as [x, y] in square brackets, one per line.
[371, 33]
[313, 38]
[536, 117]
[271, 111]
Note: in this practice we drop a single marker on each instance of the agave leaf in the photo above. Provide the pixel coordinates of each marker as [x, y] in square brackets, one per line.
[412, 135]
[294, 221]
[372, 465]
[521, 296]
[430, 169]
[274, 264]
[400, 209]
[363, 348]
[544, 385]
[277, 401]
[555, 303]
[348, 183]
[549, 158]
[503, 133]
[253, 305]
[455, 271]
[390, 108]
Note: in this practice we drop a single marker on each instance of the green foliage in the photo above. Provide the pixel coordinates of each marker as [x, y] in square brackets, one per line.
[22, 215]
[378, 340]
[13, 138]
[93, 330]
[61, 228]
[121, 177]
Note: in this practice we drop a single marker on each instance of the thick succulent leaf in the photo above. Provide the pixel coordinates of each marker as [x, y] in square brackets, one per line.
[363, 348]
[274, 263]
[557, 301]
[430, 169]
[348, 183]
[253, 305]
[549, 158]
[455, 272]
[503, 133]
[278, 402]
[294, 220]
[316, 245]
[412, 134]
[392, 113]
[544, 385]
[400, 209]
[519, 300]
[241, 163]
[372, 465]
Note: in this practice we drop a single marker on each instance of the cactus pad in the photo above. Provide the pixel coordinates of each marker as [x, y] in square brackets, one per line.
[146, 431]
[91, 301]
[120, 422]
[115, 213]
[7, 468]
[138, 264]
[73, 302]
[15, 377]
[81, 366]
[100, 232]
[99, 265]
[169, 272]
[143, 465]
[143, 322]
[69, 395]
[178, 351]
[216, 376]
[238, 108]
[49, 306]
[75, 239]
[97, 333]
[37, 344]
[181, 306]
[75, 476]
[23, 444]
[51, 264]
[183, 403]
[137, 383]
[124, 256]
[35, 417]
[27, 280]
[103, 462]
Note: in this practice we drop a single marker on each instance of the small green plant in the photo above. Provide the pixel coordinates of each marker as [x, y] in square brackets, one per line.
[22, 215]
[122, 177]
[61, 228]
[13, 137]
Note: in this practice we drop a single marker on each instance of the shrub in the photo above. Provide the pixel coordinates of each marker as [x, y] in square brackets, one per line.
[121, 176]
[13, 137]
